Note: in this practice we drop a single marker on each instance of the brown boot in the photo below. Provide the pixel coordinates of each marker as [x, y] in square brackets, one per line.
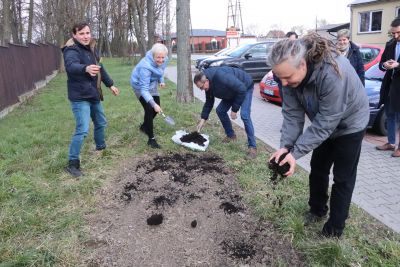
[251, 153]
[228, 139]
[396, 153]
[386, 147]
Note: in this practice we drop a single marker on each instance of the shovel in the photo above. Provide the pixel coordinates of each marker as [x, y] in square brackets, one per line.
[168, 119]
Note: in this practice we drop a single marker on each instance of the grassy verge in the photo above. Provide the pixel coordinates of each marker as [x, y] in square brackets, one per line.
[42, 209]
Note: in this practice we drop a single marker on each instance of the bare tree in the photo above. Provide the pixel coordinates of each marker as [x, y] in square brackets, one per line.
[30, 21]
[168, 28]
[185, 85]
[6, 21]
[150, 23]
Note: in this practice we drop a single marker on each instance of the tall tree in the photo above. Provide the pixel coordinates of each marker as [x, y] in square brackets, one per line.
[6, 22]
[185, 85]
[150, 23]
[168, 27]
[30, 22]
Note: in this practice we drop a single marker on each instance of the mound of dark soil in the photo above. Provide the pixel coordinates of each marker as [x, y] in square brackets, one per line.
[181, 210]
[194, 137]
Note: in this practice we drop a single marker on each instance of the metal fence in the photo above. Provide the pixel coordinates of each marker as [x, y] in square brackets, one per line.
[21, 66]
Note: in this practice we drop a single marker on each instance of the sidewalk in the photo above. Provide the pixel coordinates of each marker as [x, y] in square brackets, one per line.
[377, 188]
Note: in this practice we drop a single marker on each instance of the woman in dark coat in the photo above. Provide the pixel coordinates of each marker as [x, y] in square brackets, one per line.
[350, 50]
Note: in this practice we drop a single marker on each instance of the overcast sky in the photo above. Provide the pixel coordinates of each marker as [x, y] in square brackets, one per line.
[212, 14]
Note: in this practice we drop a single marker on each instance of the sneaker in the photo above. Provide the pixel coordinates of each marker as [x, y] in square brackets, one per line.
[229, 139]
[153, 143]
[311, 218]
[396, 153]
[386, 147]
[251, 153]
[73, 168]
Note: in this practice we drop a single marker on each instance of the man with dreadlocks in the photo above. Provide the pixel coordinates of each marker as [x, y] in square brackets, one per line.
[320, 83]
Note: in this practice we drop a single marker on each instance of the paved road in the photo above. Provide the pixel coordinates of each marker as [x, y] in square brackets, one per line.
[377, 189]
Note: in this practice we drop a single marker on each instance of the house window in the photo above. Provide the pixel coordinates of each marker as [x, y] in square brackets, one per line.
[370, 21]
[397, 12]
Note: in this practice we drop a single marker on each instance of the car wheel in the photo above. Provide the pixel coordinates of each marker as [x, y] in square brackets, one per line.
[380, 123]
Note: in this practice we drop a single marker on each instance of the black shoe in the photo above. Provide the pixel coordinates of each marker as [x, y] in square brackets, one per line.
[73, 168]
[310, 218]
[153, 143]
[329, 231]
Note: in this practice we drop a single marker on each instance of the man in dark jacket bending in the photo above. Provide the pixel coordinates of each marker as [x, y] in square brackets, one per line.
[235, 89]
[84, 76]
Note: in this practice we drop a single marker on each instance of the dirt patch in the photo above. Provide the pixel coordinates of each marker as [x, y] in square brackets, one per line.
[181, 210]
[278, 170]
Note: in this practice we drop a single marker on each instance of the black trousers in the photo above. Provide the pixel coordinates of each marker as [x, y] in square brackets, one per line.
[343, 153]
[149, 115]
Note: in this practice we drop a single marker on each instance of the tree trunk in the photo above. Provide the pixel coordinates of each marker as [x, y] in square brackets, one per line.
[150, 24]
[6, 20]
[138, 24]
[30, 22]
[14, 23]
[185, 85]
[168, 28]
[61, 24]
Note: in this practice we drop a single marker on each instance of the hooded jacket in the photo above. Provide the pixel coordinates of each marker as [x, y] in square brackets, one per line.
[337, 105]
[81, 85]
[145, 76]
[226, 83]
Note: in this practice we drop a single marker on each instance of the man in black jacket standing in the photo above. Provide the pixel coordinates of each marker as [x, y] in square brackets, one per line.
[390, 88]
[235, 89]
[84, 93]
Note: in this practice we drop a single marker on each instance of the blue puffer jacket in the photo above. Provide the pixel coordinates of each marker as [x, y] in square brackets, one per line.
[146, 73]
[82, 86]
[227, 83]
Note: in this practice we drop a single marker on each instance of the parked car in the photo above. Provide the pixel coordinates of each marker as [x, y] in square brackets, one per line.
[252, 58]
[373, 78]
[377, 117]
[222, 52]
[269, 89]
[371, 54]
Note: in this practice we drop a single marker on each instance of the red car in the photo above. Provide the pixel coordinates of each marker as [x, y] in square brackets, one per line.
[371, 55]
[269, 89]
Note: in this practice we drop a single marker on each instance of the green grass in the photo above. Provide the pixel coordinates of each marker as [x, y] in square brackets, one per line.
[42, 209]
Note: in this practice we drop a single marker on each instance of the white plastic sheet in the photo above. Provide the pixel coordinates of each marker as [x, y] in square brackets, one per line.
[177, 139]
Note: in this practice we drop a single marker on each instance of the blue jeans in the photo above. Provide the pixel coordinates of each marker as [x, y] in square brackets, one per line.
[83, 111]
[392, 120]
[245, 110]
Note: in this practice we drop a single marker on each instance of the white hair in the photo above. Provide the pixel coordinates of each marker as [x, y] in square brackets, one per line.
[159, 48]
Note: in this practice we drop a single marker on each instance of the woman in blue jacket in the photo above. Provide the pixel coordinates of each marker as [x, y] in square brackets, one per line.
[145, 78]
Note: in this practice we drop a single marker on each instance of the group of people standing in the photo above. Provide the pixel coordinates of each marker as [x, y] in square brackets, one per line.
[319, 79]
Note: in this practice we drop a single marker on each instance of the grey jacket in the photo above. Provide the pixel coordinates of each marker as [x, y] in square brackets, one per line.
[336, 105]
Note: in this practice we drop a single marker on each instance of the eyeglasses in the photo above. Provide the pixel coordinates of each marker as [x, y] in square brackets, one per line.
[200, 85]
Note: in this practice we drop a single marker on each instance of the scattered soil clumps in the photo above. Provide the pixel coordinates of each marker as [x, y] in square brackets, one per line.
[201, 220]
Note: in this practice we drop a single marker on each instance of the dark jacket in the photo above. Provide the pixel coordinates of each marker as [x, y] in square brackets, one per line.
[227, 83]
[390, 88]
[82, 86]
[355, 58]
